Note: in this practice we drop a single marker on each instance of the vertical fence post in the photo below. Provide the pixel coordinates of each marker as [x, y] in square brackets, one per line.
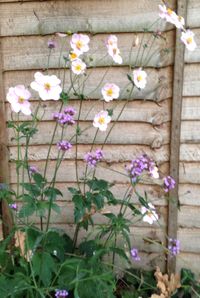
[175, 131]
[4, 167]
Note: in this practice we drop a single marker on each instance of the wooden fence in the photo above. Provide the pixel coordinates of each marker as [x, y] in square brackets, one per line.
[161, 121]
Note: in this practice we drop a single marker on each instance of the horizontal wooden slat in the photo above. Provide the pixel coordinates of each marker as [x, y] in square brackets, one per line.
[190, 132]
[193, 20]
[189, 172]
[139, 111]
[95, 16]
[112, 153]
[189, 240]
[190, 108]
[158, 86]
[130, 133]
[189, 260]
[190, 152]
[189, 194]
[188, 217]
[112, 172]
[31, 52]
[155, 193]
[191, 85]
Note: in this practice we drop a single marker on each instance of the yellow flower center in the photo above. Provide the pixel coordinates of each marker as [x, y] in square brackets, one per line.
[169, 11]
[109, 92]
[180, 18]
[150, 213]
[101, 120]
[114, 51]
[21, 99]
[139, 78]
[79, 44]
[78, 67]
[47, 86]
[73, 56]
[189, 40]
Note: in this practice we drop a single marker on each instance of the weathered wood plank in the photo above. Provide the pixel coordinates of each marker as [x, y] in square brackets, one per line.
[190, 152]
[158, 86]
[114, 172]
[190, 132]
[191, 85]
[138, 111]
[190, 108]
[193, 20]
[189, 260]
[31, 52]
[189, 172]
[189, 239]
[189, 194]
[176, 131]
[130, 133]
[45, 17]
[112, 153]
[155, 193]
[188, 217]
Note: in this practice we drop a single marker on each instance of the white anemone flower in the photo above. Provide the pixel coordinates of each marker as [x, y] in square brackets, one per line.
[188, 39]
[101, 120]
[18, 97]
[110, 92]
[78, 66]
[47, 86]
[79, 43]
[139, 78]
[149, 213]
[167, 14]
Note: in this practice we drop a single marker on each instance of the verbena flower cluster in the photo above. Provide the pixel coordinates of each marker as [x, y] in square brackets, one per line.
[65, 118]
[61, 293]
[174, 246]
[92, 158]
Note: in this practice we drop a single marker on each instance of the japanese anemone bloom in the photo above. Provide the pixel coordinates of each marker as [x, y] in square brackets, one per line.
[48, 87]
[168, 14]
[110, 92]
[150, 214]
[79, 43]
[78, 66]
[18, 98]
[139, 78]
[101, 120]
[188, 39]
[111, 41]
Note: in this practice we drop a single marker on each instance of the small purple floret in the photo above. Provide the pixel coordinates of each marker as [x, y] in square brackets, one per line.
[64, 145]
[32, 170]
[169, 183]
[51, 44]
[134, 254]
[92, 158]
[65, 118]
[13, 206]
[61, 293]
[174, 246]
[70, 110]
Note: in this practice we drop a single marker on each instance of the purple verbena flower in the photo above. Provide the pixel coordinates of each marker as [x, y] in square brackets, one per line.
[70, 110]
[92, 158]
[134, 254]
[174, 246]
[57, 116]
[140, 164]
[32, 170]
[64, 145]
[13, 206]
[169, 183]
[64, 118]
[61, 293]
[52, 44]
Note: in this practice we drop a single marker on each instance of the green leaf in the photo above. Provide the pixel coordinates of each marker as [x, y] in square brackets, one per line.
[52, 193]
[40, 181]
[27, 210]
[43, 267]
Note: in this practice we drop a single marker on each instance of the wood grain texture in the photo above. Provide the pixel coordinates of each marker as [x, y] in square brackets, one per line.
[112, 153]
[190, 132]
[158, 86]
[189, 172]
[193, 20]
[188, 217]
[189, 194]
[190, 152]
[31, 52]
[189, 239]
[130, 133]
[191, 80]
[190, 108]
[113, 172]
[176, 132]
[135, 111]
[45, 17]
[189, 260]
